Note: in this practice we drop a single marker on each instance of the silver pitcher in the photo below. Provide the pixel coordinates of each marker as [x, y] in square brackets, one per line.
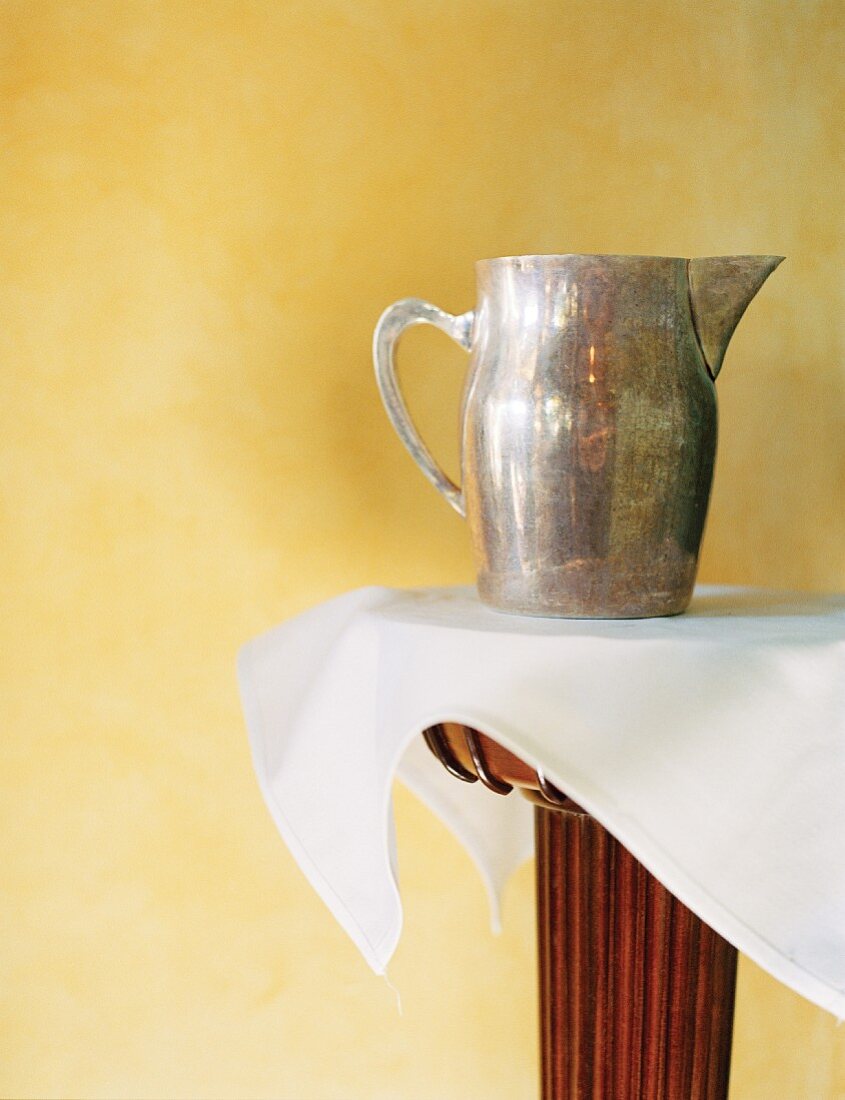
[588, 424]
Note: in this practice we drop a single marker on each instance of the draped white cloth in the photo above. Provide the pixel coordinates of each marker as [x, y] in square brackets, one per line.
[712, 745]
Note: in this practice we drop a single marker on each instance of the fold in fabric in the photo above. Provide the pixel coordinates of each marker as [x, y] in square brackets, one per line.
[712, 745]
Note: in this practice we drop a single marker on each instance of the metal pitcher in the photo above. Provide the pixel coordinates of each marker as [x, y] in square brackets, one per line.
[588, 424]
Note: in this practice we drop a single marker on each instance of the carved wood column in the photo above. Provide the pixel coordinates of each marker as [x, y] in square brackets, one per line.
[636, 993]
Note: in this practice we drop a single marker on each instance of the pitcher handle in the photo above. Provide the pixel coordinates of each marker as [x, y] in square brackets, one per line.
[391, 325]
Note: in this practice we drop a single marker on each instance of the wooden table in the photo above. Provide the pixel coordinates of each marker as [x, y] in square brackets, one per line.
[636, 993]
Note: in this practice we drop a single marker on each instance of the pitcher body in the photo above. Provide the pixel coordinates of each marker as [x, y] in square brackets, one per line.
[589, 436]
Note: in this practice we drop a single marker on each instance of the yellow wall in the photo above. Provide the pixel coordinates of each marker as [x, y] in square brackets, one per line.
[204, 208]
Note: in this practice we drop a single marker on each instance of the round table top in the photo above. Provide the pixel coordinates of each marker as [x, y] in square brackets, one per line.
[711, 744]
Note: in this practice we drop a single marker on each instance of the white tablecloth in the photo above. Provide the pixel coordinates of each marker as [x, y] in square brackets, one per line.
[712, 745]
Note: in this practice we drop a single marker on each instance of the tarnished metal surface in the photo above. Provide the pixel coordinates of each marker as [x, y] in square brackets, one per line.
[720, 289]
[589, 424]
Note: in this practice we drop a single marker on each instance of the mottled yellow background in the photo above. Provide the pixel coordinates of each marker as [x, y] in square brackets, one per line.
[204, 208]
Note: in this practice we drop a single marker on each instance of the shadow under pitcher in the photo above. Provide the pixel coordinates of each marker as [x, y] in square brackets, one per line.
[588, 424]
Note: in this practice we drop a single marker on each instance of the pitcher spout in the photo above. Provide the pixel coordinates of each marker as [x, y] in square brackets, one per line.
[721, 288]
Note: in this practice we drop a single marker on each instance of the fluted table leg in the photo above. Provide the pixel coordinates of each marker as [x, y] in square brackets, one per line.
[636, 993]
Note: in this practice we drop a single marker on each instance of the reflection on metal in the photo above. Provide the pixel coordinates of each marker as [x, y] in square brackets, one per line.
[588, 424]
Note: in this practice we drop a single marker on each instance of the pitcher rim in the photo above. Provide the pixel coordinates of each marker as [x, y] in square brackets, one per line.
[577, 255]
[539, 256]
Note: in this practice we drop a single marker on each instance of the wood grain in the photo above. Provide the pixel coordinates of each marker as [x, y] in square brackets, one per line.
[636, 993]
